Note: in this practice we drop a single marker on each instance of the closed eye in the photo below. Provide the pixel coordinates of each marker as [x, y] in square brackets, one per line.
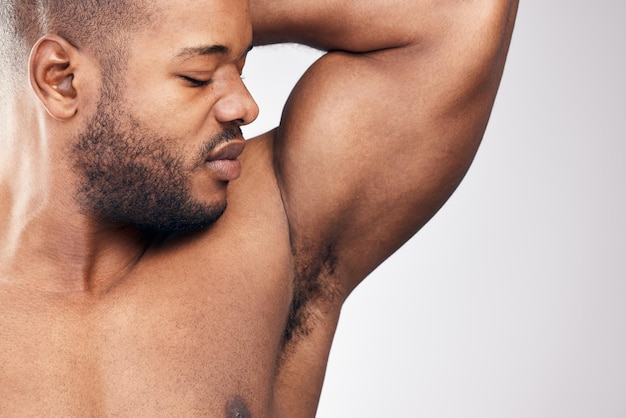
[194, 82]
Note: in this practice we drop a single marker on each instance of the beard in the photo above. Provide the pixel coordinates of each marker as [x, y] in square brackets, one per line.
[130, 177]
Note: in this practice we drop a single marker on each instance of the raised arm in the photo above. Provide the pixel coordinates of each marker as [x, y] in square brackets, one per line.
[380, 131]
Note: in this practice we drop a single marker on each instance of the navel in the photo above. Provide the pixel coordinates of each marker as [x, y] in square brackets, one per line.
[237, 408]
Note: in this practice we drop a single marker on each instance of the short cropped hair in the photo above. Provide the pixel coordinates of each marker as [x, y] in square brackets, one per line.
[101, 26]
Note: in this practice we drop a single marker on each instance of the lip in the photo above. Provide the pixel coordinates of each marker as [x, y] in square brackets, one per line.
[223, 160]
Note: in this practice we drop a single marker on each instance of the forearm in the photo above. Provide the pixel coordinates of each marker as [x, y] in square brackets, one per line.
[371, 25]
[340, 25]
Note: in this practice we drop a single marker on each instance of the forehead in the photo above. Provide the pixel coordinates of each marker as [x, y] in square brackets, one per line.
[181, 24]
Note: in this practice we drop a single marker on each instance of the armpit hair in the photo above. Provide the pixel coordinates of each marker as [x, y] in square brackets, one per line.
[314, 284]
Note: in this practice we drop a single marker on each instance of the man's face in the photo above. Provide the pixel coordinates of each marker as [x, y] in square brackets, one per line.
[162, 145]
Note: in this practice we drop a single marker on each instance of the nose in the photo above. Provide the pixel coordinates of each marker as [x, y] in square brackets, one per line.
[235, 104]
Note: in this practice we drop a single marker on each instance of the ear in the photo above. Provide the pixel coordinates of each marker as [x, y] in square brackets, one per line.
[53, 63]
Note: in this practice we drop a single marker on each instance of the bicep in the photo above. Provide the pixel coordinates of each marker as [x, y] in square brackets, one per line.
[370, 146]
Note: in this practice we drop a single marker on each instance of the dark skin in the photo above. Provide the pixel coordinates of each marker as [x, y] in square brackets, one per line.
[236, 319]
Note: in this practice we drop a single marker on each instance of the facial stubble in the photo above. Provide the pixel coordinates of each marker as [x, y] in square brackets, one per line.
[131, 177]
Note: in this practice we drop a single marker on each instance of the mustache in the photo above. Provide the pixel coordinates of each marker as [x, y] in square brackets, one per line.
[225, 136]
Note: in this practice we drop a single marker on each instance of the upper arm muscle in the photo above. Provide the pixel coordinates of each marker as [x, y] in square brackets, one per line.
[371, 145]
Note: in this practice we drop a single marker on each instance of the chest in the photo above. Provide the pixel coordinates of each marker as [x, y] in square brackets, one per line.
[207, 328]
[176, 337]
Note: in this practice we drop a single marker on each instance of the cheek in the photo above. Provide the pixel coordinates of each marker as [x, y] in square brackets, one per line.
[192, 119]
[170, 118]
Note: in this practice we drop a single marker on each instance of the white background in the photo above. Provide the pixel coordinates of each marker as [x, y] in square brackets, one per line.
[511, 302]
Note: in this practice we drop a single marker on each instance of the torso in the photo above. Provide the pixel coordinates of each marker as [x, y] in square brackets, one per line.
[197, 329]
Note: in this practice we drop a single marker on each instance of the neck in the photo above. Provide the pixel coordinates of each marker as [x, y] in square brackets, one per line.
[24, 170]
[55, 253]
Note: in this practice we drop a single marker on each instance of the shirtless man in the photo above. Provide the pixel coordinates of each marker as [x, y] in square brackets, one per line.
[127, 288]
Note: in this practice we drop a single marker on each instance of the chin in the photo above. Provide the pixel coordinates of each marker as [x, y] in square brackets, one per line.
[192, 216]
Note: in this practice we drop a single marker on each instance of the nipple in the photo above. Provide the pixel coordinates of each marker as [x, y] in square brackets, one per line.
[237, 408]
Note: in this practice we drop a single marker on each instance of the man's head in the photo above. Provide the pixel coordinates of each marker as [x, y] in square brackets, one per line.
[144, 98]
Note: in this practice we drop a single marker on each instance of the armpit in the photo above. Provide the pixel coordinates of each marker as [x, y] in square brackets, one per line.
[314, 282]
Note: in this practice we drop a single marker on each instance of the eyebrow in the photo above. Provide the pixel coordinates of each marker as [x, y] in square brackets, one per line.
[203, 51]
[207, 50]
